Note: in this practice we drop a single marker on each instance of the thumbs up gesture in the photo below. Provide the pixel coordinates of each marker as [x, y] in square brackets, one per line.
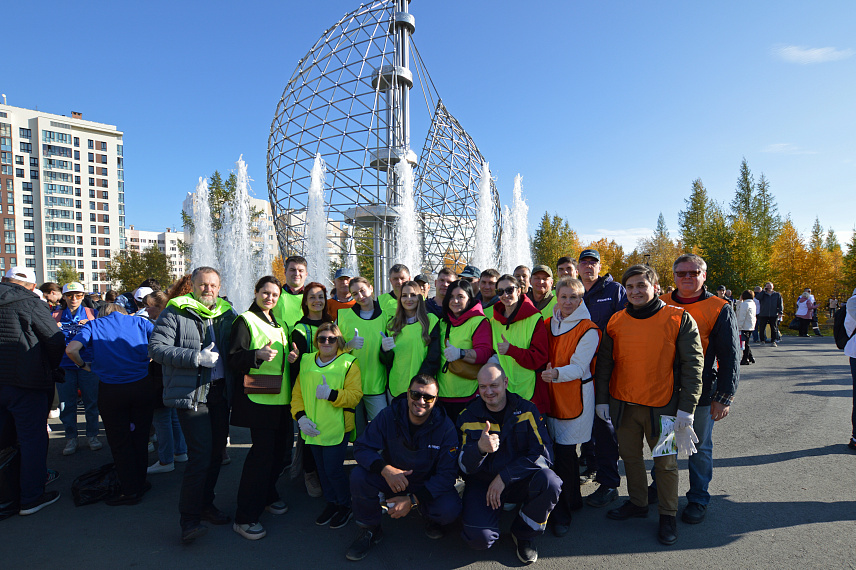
[293, 354]
[502, 347]
[322, 392]
[451, 353]
[209, 356]
[357, 342]
[388, 343]
[550, 374]
[267, 352]
[488, 442]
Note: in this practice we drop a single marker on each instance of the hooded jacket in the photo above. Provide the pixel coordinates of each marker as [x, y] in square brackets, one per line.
[31, 344]
[534, 357]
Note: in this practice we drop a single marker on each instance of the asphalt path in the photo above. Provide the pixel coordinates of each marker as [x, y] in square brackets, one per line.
[784, 496]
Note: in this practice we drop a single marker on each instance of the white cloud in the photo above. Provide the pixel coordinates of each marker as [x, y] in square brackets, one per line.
[625, 238]
[786, 148]
[805, 56]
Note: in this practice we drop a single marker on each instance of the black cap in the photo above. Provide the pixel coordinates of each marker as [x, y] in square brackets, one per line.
[590, 253]
[470, 272]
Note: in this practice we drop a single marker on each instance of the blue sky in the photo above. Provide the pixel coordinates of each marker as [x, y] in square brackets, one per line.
[614, 107]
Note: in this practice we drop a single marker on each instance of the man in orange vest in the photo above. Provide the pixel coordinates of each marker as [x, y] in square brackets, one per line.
[720, 341]
[649, 365]
[341, 298]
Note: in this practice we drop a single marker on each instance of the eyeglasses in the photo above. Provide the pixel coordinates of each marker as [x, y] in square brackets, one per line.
[682, 274]
[327, 339]
[588, 261]
[416, 396]
[74, 295]
[506, 291]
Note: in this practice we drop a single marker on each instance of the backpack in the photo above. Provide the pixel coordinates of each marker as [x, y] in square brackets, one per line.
[838, 330]
[95, 485]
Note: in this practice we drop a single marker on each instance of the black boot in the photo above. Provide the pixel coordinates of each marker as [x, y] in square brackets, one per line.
[668, 532]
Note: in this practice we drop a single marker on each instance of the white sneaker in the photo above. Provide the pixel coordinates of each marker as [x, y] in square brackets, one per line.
[70, 447]
[180, 458]
[54, 414]
[94, 443]
[277, 508]
[158, 467]
[253, 531]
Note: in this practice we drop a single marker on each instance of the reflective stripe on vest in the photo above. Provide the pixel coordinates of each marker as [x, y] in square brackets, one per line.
[262, 332]
[521, 380]
[288, 310]
[372, 371]
[329, 419]
[644, 355]
[566, 398]
[704, 312]
[410, 351]
[452, 385]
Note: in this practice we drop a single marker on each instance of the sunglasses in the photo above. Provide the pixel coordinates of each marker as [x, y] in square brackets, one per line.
[695, 273]
[506, 291]
[416, 396]
[327, 339]
[74, 295]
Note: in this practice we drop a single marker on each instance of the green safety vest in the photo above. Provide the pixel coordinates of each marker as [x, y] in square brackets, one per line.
[452, 385]
[410, 351]
[307, 332]
[288, 309]
[488, 312]
[329, 419]
[521, 380]
[372, 371]
[261, 332]
[547, 311]
[388, 304]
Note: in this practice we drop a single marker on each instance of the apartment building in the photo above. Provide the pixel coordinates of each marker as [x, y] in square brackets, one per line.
[63, 193]
[167, 242]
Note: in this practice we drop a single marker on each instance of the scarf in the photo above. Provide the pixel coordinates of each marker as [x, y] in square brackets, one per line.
[188, 301]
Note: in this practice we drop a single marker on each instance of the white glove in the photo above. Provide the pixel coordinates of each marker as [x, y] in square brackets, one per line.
[602, 411]
[322, 392]
[357, 342]
[388, 343]
[209, 356]
[307, 426]
[451, 353]
[685, 439]
[683, 420]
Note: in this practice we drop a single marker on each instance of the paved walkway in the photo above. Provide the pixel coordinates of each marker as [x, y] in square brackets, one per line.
[784, 493]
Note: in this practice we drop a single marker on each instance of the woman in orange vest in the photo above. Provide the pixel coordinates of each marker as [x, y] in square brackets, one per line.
[573, 340]
[649, 365]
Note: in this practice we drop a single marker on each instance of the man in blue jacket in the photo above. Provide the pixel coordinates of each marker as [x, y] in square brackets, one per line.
[506, 454]
[407, 453]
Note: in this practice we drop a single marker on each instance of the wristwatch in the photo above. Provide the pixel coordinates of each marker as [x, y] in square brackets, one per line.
[413, 503]
[463, 353]
[81, 366]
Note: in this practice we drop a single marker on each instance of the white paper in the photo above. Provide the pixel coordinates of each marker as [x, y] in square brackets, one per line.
[666, 444]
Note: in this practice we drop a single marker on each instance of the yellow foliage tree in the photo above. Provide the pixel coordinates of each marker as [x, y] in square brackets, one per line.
[611, 257]
[790, 265]
[278, 268]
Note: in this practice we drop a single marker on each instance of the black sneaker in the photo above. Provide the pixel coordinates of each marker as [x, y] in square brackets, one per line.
[626, 511]
[47, 498]
[215, 516]
[668, 532]
[341, 518]
[588, 475]
[360, 547]
[526, 552]
[852, 444]
[694, 513]
[434, 530]
[602, 497]
[52, 476]
[327, 514]
[653, 495]
[560, 529]
[192, 531]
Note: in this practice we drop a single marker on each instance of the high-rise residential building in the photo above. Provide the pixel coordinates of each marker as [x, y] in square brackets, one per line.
[167, 242]
[63, 193]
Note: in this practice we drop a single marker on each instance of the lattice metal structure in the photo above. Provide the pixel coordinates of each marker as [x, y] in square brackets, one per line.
[349, 100]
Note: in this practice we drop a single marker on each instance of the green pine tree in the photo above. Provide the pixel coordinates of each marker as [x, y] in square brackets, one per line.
[692, 220]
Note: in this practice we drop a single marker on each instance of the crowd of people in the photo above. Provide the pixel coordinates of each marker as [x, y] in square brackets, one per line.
[494, 393]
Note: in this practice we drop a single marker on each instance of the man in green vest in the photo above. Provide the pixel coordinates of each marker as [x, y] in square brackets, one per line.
[399, 274]
[542, 290]
[288, 310]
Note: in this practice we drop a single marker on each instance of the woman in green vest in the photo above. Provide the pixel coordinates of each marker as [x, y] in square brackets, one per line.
[363, 327]
[464, 335]
[258, 349]
[521, 340]
[411, 344]
[325, 394]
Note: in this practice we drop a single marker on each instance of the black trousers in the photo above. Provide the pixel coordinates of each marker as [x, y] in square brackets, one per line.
[566, 466]
[774, 328]
[270, 453]
[126, 411]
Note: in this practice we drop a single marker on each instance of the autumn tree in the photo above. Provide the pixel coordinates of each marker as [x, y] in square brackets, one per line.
[66, 273]
[660, 252]
[766, 220]
[278, 268]
[789, 260]
[612, 258]
[848, 268]
[717, 243]
[554, 238]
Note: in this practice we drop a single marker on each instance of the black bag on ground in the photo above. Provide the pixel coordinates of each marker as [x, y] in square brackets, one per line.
[794, 325]
[10, 478]
[838, 330]
[95, 485]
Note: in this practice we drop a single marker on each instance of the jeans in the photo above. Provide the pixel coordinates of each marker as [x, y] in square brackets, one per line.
[87, 383]
[126, 410]
[330, 460]
[23, 416]
[205, 430]
[367, 409]
[701, 463]
[170, 437]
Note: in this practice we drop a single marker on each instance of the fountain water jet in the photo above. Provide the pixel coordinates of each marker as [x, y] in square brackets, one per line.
[484, 254]
[521, 252]
[316, 226]
[237, 267]
[204, 250]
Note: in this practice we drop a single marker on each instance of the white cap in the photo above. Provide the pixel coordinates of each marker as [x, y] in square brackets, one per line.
[39, 294]
[141, 292]
[73, 287]
[25, 274]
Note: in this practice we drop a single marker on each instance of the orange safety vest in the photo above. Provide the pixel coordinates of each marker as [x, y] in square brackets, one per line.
[643, 352]
[566, 398]
[704, 312]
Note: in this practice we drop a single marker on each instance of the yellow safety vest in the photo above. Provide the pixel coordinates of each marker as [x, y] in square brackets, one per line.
[372, 371]
[452, 385]
[410, 351]
[329, 419]
[262, 332]
[521, 380]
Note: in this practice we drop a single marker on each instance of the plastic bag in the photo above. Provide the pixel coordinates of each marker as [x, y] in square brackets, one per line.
[95, 485]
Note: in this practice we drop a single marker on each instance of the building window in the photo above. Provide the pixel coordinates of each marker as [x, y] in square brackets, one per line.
[103, 159]
[76, 141]
[91, 205]
[30, 263]
[9, 248]
[34, 161]
[91, 157]
[19, 172]
[9, 237]
[24, 133]
[119, 149]
[19, 159]
[28, 212]
[78, 216]
[103, 182]
[94, 275]
[94, 253]
[27, 186]
[77, 181]
[34, 174]
[107, 242]
[106, 218]
[91, 217]
[104, 146]
[26, 147]
[91, 170]
[92, 182]
[80, 266]
[77, 204]
[29, 250]
[91, 144]
[93, 229]
[104, 195]
[28, 198]
[77, 168]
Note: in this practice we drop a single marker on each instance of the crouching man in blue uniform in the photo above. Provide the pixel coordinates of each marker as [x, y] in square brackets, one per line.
[408, 454]
[506, 454]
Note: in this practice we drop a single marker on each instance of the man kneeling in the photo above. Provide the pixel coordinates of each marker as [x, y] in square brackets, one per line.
[506, 453]
[406, 459]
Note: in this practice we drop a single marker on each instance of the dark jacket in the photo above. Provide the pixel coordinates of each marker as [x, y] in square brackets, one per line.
[31, 343]
[431, 452]
[771, 304]
[605, 298]
[525, 446]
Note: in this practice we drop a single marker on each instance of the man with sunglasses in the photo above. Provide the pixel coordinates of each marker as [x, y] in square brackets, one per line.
[408, 455]
[720, 340]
